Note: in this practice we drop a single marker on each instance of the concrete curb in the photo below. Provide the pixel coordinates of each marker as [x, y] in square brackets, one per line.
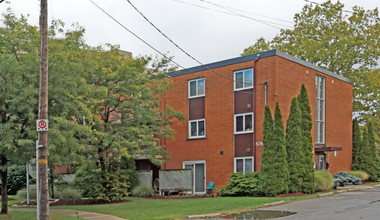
[377, 185]
[341, 191]
[203, 216]
[352, 190]
[325, 194]
[274, 203]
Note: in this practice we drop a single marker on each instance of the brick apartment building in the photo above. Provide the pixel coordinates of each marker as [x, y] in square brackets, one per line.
[224, 106]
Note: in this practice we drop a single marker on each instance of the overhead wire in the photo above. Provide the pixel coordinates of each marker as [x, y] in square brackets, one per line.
[265, 16]
[162, 54]
[268, 23]
[343, 10]
[233, 11]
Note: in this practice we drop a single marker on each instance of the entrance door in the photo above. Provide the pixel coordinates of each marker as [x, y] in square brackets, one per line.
[199, 171]
[321, 161]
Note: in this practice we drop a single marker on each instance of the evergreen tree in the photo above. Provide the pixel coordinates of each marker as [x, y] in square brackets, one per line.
[266, 178]
[356, 139]
[274, 169]
[308, 185]
[294, 148]
[280, 147]
[372, 157]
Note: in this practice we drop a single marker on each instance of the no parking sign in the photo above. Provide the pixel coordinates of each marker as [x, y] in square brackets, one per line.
[42, 125]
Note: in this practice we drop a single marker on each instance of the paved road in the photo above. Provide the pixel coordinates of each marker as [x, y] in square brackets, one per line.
[364, 204]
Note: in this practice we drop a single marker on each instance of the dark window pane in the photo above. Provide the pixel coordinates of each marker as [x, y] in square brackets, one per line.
[239, 165]
[193, 88]
[193, 129]
[239, 80]
[201, 87]
[248, 123]
[248, 78]
[248, 165]
[239, 123]
[201, 128]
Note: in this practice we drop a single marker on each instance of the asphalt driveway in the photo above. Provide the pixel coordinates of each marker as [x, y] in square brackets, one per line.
[363, 204]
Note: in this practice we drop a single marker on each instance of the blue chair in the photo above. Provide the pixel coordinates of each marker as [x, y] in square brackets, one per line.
[210, 188]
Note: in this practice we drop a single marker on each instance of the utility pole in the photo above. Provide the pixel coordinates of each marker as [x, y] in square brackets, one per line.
[43, 115]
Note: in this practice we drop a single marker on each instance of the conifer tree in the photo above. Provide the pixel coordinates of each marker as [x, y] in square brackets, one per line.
[356, 139]
[281, 163]
[266, 178]
[372, 157]
[274, 170]
[308, 185]
[294, 148]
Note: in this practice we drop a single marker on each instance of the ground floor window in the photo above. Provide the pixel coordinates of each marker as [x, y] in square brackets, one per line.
[244, 164]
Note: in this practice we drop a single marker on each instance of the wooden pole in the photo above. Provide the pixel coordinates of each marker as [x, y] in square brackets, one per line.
[43, 114]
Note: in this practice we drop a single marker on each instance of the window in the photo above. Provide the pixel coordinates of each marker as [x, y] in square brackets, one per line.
[320, 109]
[243, 79]
[244, 164]
[197, 128]
[244, 123]
[196, 88]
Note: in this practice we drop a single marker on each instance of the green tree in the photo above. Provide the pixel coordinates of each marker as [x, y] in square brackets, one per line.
[372, 154]
[266, 176]
[19, 67]
[294, 148]
[345, 43]
[308, 185]
[356, 141]
[274, 175]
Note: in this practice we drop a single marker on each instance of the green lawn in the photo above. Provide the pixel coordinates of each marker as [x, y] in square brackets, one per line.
[28, 215]
[140, 208]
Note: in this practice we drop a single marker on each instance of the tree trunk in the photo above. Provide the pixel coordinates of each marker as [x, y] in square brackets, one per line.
[4, 185]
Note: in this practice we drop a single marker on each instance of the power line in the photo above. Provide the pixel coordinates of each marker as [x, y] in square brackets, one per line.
[175, 44]
[162, 54]
[343, 10]
[233, 11]
[131, 32]
[265, 16]
[268, 23]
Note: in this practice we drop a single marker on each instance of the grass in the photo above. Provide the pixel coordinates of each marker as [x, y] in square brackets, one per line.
[28, 215]
[141, 208]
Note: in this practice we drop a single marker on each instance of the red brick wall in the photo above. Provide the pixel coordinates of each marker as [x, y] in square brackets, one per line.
[284, 80]
[286, 84]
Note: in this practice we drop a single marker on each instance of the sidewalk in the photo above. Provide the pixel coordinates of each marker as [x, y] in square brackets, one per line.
[75, 213]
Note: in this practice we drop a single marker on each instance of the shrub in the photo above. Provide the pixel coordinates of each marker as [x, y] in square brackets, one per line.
[359, 174]
[21, 194]
[242, 185]
[112, 184]
[142, 191]
[68, 193]
[343, 178]
[16, 179]
[323, 180]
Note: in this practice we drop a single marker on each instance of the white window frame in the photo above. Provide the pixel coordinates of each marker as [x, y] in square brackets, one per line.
[197, 120]
[196, 88]
[244, 87]
[235, 127]
[244, 158]
[320, 121]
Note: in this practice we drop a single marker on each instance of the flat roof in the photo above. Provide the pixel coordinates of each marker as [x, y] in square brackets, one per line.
[264, 54]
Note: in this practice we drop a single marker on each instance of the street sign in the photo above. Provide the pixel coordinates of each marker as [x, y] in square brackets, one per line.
[42, 125]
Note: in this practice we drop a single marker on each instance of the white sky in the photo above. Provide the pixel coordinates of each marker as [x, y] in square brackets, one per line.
[207, 35]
